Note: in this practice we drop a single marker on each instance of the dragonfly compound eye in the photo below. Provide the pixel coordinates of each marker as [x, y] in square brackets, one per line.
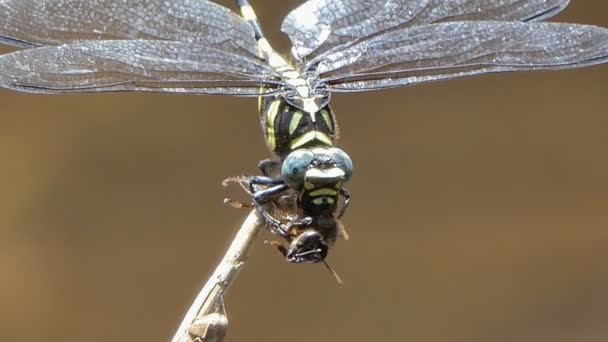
[295, 166]
[342, 161]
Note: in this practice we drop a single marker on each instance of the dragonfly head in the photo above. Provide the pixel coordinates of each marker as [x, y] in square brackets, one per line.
[307, 169]
[318, 175]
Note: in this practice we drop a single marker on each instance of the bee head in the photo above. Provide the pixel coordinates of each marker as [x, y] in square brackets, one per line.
[308, 247]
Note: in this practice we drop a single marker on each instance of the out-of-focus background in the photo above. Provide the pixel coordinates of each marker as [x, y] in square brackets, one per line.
[480, 213]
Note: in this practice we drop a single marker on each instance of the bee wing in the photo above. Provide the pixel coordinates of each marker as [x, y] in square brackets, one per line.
[28, 23]
[136, 65]
[318, 26]
[455, 49]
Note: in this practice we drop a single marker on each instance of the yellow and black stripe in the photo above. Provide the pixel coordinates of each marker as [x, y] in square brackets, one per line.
[288, 128]
[248, 14]
[276, 61]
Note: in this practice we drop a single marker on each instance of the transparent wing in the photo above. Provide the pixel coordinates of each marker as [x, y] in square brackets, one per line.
[129, 65]
[454, 49]
[28, 23]
[320, 25]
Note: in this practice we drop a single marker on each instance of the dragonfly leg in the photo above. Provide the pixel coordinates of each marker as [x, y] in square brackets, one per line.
[263, 180]
[252, 184]
[274, 225]
[237, 204]
[268, 194]
[300, 222]
[264, 196]
[270, 167]
[346, 194]
[278, 246]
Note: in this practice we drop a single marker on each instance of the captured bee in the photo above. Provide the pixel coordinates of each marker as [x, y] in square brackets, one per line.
[309, 233]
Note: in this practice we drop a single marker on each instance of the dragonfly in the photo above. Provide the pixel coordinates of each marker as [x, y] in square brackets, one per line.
[200, 47]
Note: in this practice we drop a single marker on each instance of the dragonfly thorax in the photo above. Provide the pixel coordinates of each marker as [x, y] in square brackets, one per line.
[306, 93]
[288, 127]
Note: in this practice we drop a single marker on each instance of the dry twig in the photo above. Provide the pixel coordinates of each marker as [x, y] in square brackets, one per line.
[206, 319]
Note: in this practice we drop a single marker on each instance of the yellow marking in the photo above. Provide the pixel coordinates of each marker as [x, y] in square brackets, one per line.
[333, 173]
[260, 99]
[295, 121]
[338, 185]
[270, 139]
[264, 45]
[309, 104]
[299, 83]
[271, 115]
[330, 200]
[277, 62]
[248, 13]
[273, 110]
[308, 186]
[318, 201]
[310, 136]
[323, 192]
[290, 74]
[327, 119]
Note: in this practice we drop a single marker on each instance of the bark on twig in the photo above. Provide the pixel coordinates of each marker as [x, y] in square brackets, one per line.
[206, 319]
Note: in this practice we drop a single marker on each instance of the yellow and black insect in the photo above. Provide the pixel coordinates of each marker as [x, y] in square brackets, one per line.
[199, 47]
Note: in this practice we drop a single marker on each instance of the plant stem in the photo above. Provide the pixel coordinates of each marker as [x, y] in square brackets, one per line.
[205, 320]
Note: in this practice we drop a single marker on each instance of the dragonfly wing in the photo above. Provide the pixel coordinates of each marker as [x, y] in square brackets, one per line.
[455, 49]
[135, 65]
[27, 23]
[320, 25]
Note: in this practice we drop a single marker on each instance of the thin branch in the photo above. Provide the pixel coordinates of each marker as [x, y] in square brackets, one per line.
[206, 320]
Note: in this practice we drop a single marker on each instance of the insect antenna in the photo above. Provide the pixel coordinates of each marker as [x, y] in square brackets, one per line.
[334, 273]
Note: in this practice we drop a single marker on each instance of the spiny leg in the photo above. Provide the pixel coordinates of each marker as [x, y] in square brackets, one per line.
[268, 194]
[237, 204]
[243, 182]
[264, 180]
[301, 222]
[251, 183]
[265, 196]
[278, 246]
[260, 197]
[270, 167]
[272, 223]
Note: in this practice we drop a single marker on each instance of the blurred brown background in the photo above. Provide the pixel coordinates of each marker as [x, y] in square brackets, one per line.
[480, 213]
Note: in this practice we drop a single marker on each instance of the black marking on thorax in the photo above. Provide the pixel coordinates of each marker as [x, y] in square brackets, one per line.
[287, 128]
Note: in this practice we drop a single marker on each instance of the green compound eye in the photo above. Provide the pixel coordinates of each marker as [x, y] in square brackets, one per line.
[295, 166]
[342, 161]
